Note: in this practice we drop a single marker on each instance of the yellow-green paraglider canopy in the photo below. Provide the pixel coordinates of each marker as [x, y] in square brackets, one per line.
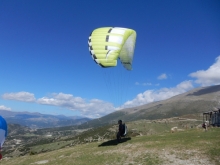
[107, 44]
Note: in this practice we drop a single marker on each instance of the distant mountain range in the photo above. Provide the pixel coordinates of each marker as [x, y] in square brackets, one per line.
[37, 120]
[198, 100]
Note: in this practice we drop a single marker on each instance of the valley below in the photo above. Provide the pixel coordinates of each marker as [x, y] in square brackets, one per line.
[171, 141]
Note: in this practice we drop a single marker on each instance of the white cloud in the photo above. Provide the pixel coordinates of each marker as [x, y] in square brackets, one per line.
[19, 96]
[208, 77]
[162, 76]
[157, 95]
[146, 84]
[93, 108]
[96, 108]
[143, 84]
[2, 107]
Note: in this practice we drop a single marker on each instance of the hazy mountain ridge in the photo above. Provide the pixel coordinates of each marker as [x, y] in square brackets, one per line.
[198, 100]
[37, 120]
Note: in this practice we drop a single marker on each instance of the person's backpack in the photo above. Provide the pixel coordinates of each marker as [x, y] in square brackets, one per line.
[124, 129]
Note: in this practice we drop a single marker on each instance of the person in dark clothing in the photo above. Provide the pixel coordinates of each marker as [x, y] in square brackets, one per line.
[0, 152]
[120, 131]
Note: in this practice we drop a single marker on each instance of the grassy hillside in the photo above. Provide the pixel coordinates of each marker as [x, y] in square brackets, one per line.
[191, 146]
[147, 142]
[195, 101]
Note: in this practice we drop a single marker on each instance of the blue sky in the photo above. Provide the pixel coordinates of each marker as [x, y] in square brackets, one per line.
[46, 66]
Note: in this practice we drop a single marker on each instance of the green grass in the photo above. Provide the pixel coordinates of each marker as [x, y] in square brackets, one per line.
[161, 148]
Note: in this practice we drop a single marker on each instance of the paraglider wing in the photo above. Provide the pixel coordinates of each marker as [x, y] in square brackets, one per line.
[3, 131]
[107, 44]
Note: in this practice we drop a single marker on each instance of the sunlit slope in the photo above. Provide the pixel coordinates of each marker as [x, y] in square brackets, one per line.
[195, 101]
[193, 146]
[22, 140]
